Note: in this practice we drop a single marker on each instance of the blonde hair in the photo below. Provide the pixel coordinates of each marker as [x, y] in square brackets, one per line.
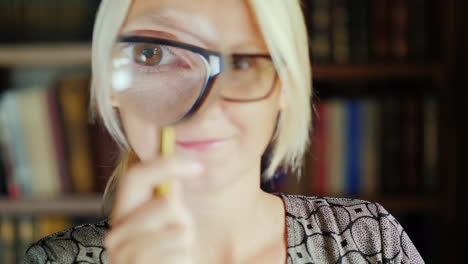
[282, 25]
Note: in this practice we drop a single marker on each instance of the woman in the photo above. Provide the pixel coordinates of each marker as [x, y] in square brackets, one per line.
[216, 211]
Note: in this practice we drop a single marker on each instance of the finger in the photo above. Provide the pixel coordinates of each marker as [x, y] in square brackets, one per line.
[152, 215]
[152, 247]
[140, 181]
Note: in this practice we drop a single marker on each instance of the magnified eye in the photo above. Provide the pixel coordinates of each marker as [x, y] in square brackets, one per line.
[148, 54]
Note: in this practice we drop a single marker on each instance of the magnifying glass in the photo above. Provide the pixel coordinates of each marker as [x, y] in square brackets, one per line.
[159, 82]
[164, 82]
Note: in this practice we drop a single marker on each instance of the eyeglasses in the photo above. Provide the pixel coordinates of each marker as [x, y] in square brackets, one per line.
[168, 80]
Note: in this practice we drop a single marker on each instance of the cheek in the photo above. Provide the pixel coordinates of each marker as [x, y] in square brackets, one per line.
[141, 135]
[256, 122]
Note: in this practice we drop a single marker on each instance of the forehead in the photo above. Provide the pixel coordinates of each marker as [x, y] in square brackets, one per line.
[215, 24]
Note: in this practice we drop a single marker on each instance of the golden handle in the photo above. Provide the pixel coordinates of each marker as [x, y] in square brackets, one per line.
[167, 145]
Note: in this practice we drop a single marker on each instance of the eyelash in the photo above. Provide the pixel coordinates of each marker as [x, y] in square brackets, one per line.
[147, 68]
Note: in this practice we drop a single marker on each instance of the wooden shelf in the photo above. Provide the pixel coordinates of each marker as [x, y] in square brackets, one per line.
[408, 203]
[374, 71]
[69, 205]
[91, 205]
[45, 54]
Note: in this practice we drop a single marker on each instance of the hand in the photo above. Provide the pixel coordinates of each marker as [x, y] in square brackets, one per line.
[147, 229]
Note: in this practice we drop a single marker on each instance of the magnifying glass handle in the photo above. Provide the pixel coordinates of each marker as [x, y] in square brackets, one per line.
[167, 145]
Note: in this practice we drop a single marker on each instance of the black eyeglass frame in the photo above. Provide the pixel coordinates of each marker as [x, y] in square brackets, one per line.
[210, 57]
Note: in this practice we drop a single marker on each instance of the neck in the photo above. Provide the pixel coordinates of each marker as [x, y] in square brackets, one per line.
[235, 219]
[229, 204]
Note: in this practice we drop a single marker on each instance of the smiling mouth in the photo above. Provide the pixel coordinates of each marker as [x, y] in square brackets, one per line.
[199, 145]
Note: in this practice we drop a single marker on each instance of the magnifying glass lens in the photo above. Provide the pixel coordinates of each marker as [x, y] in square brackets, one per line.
[158, 83]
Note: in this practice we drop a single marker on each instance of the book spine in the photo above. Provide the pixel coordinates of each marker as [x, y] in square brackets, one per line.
[11, 18]
[418, 28]
[336, 147]
[380, 30]
[359, 20]
[73, 102]
[105, 155]
[57, 134]
[411, 144]
[319, 173]
[431, 145]
[370, 153]
[18, 179]
[391, 145]
[3, 176]
[35, 20]
[75, 19]
[340, 32]
[7, 240]
[353, 150]
[45, 225]
[39, 143]
[320, 27]
[399, 25]
[24, 236]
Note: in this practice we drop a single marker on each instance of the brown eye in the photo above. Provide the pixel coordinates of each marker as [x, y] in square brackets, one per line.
[242, 63]
[147, 54]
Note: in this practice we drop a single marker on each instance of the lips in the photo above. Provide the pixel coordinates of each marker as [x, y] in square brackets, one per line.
[199, 145]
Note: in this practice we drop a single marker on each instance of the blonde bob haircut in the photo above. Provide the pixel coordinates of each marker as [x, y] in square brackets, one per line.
[282, 25]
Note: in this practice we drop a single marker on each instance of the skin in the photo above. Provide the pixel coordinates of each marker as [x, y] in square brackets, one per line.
[216, 211]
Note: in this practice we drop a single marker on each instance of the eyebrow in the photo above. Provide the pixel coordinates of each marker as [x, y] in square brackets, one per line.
[177, 24]
[175, 20]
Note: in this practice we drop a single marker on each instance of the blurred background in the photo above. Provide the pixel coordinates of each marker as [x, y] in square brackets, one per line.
[390, 84]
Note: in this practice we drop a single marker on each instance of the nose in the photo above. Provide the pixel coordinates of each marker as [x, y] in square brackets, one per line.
[210, 99]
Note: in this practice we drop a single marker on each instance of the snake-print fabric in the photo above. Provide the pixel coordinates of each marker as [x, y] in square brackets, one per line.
[320, 230]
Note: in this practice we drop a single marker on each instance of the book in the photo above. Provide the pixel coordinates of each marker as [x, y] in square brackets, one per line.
[73, 99]
[319, 155]
[419, 28]
[39, 144]
[336, 147]
[359, 30]
[370, 159]
[76, 19]
[353, 142]
[430, 181]
[7, 240]
[105, 155]
[319, 21]
[3, 179]
[24, 235]
[45, 225]
[18, 177]
[399, 26]
[391, 145]
[38, 16]
[411, 143]
[45, 21]
[380, 30]
[340, 41]
[11, 20]
[57, 133]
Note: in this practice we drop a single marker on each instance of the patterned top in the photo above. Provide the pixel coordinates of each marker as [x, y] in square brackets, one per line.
[320, 230]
